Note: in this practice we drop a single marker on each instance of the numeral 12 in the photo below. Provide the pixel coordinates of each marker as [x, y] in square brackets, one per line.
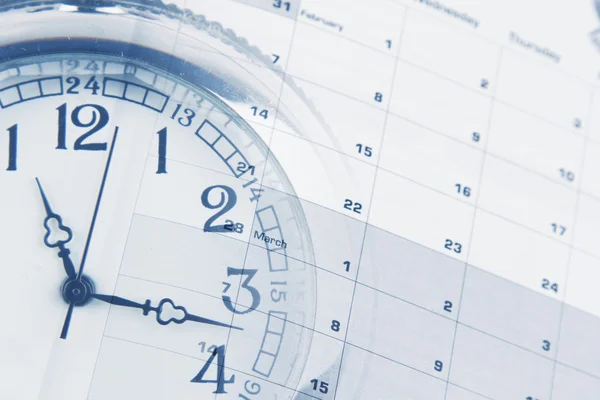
[99, 120]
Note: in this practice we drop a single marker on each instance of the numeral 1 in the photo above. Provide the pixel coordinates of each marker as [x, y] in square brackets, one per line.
[62, 127]
[162, 151]
[12, 148]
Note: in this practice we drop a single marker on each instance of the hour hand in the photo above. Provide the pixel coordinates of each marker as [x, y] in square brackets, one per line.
[166, 311]
[63, 251]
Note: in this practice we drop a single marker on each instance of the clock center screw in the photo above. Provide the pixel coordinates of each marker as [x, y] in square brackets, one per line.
[77, 291]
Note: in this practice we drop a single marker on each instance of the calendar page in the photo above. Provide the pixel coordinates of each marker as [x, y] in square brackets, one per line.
[335, 199]
[451, 191]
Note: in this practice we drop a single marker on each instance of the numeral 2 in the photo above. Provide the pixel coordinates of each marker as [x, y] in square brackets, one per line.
[227, 202]
[448, 306]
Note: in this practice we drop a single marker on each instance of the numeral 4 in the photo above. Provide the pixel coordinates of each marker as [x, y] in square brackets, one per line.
[219, 352]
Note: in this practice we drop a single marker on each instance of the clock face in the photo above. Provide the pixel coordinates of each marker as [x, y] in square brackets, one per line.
[144, 253]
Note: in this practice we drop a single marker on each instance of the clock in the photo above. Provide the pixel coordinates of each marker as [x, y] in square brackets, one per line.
[150, 245]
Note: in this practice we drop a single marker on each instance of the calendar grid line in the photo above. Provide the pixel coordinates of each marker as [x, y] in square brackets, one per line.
[489, 96]
[114, 288]
[275, 383]
[364, 234]
[255, 214]
[458, 141]
[530, 229]
[469, 265]
[504, 47]
[353, 41]
[474, 218]
[423, 185]
[453, 138]
[292, 322]
[203, 359]
[409, 6]
[493, 154]
[471, 391]
[394, 361]
[506, 219]
[570, 254]
[446, 78]
[426, 184]
[459, 200]
[316, 266]
[465, 143]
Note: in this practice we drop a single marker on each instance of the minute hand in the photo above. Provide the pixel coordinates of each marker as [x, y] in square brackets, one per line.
[159, 310]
